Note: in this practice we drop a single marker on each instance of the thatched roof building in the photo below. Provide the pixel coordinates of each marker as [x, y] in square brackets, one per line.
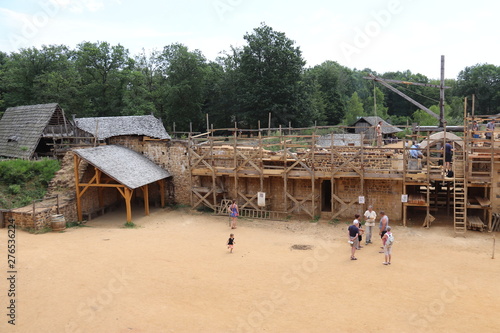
[106, 127]
[26, 130]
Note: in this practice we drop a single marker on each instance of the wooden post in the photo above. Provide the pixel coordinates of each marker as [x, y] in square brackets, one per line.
[145, 191]
[442, 121]
[269, 125]
[128, 196]
[473, 102]
[190, 166]
[161, 182]
[235, 163]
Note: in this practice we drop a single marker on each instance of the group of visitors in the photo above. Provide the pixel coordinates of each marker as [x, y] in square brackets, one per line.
[355, 233]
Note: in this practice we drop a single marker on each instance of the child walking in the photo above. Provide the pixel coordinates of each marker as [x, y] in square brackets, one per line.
[230, 243]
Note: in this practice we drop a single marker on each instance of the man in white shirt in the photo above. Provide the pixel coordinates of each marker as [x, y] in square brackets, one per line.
[370, 216]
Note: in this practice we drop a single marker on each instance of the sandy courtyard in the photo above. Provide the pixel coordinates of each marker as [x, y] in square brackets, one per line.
[174, 274]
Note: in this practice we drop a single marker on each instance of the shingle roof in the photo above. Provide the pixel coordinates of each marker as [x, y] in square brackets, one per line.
[124, 165]
[373, 121]
[107, 127]
[22, 127]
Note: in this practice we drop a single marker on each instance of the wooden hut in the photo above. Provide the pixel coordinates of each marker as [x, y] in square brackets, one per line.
[366, 125]
[30, 131]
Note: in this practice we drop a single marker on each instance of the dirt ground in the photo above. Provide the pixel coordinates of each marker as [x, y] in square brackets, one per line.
[173, 273]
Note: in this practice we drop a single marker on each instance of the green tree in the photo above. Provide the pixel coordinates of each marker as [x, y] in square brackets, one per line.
[375, 106]
[185, 73]
[103, 69]
[3, 61]
[269, 78]
[335, 86]
[354, 110]
[482, 80]
[422, 118]
[23, 68]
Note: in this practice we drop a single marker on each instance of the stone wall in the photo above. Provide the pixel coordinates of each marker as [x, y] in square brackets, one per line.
[170, 155]
[43, 216]
[383, 195]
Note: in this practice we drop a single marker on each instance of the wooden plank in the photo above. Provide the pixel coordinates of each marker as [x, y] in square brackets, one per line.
[484, 202]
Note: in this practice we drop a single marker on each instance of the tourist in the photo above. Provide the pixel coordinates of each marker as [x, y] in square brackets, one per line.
[370, 216]
[353, 233]
[230, 243]
[361, 231]
[378, 131]
[490, 129]
[383, 224]
[448, 155]
[415, 151]
[234, 213]
[388, 240]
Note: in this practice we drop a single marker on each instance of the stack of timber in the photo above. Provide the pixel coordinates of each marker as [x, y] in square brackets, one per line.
[495, 223]
[416, 199]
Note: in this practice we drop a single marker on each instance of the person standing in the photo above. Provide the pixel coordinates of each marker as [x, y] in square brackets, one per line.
[353, 233]
[378, 131]
[370, 216]
[388, 239]
[490, 128]
[383, 224]
[448, 155]
[234, 213]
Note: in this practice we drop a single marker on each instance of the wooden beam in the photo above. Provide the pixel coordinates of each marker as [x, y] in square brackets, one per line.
[161, 183]
[145, 191]
[76, 165]
[128, 197]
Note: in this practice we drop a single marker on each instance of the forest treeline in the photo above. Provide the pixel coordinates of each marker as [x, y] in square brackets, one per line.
[243, 85]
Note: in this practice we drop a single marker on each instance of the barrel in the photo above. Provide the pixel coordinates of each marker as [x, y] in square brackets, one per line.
[58, 222]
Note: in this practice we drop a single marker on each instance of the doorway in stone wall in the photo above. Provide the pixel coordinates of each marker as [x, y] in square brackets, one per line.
[326, 196]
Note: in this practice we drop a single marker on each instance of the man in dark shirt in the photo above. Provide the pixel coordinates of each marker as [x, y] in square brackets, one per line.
[448, 154]
[353, 232]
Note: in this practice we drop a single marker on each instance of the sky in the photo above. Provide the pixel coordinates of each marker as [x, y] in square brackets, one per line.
[382, 35]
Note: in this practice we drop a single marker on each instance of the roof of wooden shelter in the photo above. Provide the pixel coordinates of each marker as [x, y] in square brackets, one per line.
[438, 137]
[106, 127]
[22, 127]
[373, 121]
[124, 165]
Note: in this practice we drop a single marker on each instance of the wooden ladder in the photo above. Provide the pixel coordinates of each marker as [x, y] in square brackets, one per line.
[459, 194]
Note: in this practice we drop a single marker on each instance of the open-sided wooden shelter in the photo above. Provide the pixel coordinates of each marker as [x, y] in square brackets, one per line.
[119, 168]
